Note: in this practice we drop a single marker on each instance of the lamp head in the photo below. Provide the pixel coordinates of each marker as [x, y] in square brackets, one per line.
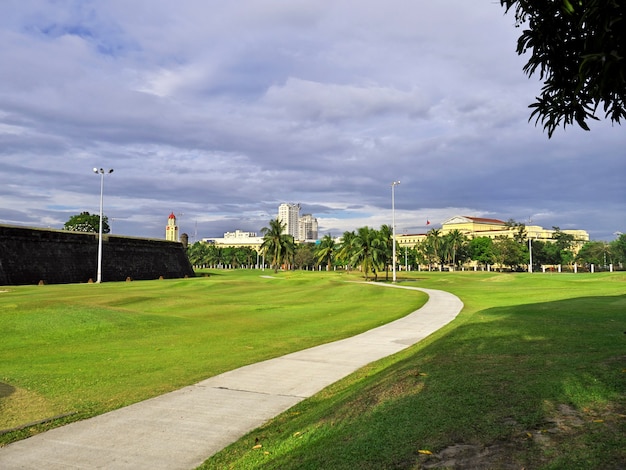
[95, 170]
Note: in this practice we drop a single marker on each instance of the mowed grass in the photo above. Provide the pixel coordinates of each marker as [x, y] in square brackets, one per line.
[90, 348]
[532, 374]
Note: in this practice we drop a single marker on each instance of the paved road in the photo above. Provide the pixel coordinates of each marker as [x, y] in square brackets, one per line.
[181, 429]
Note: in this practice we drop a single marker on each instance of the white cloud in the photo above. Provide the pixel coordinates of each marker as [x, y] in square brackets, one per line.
[222, 110]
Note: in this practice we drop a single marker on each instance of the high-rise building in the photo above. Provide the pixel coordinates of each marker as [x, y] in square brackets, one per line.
[171, 229]
[307, 227]
[289, 215]
[300, 228]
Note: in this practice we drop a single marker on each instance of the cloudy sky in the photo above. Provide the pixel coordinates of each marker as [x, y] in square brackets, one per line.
[220, 111]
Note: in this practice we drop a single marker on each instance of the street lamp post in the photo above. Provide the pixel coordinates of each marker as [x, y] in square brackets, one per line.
[530, 252]
[393, 228]
[102, 173]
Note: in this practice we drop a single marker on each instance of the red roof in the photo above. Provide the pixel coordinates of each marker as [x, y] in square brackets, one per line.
[486, 221]
[172, 216]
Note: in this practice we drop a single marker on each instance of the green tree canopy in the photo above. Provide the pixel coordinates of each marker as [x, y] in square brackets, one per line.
[481, 249]
[86, 222]
[325, 251]
[304, 256]
[455, 247]
[578, 47]
[509, 252]
[618, 248]
[597, 253]
[367, 251]
[277, 246]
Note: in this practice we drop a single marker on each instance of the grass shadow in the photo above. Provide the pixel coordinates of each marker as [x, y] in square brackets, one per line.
[6, 390]
[535, 385]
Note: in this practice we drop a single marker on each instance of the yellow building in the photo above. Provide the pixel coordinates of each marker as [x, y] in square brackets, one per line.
[473, 227]
[237, 239]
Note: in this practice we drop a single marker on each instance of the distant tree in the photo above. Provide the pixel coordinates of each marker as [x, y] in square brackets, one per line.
[481, 249]
[346, 248]
[579, 49]
[325, 251]
[414, 258]
[367, 251]
[385, 233]
[597, 253]
[304, 256]
[86, 222]
[198, 253]
[519, 228]
[455, 243]
[417, 257]
[277, 246]
[510, 252]
[564, 243]
[217, 256]
[432, 247]
[543, 253]
[618, 249]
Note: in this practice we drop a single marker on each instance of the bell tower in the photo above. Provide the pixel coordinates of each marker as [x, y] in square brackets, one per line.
[171, 230]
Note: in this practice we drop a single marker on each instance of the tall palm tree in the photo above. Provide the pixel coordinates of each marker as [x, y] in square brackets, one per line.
[434, 245]
[277, 245]
[345, 250]
[326, 251]
[386, 241]
[454, 241]
[367, 251]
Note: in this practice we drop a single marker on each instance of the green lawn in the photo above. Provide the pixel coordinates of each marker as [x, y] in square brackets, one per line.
[532, 374]
[90, 348]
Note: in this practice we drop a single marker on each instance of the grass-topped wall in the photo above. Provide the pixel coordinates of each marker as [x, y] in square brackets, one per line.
[33, 255]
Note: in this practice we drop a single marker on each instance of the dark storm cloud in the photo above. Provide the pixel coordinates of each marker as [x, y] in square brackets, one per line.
[220, 112]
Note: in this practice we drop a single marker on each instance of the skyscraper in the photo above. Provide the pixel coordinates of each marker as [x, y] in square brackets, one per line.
[307, 227]
[289, 215]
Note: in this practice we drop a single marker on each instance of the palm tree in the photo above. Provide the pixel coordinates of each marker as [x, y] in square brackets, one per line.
[344, 254]
[386, 240]
[277, 246]
[367, 251]
[326, 251]
[454, 240]
[434, 245]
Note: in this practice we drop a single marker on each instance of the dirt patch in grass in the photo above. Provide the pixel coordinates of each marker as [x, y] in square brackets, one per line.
[564, 423]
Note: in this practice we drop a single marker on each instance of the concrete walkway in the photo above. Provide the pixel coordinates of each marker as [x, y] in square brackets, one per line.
[181, 429]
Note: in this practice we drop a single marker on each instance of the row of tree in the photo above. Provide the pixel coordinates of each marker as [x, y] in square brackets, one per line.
[371, 251]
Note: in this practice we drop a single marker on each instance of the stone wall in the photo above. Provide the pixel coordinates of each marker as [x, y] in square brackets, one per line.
[30, 255]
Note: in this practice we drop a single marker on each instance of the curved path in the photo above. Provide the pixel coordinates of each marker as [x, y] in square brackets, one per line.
[181, 429]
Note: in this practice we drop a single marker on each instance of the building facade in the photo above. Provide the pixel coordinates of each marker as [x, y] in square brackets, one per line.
[237, 239]
[473, 227]
[171, 229]
[289, 215]
[307, 228]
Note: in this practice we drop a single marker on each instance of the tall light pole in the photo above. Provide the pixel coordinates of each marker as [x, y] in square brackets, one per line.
[530, 252]
[393, 227]
[102, 173]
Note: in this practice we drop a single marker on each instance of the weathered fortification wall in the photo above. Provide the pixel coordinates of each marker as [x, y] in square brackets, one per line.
[30, 255]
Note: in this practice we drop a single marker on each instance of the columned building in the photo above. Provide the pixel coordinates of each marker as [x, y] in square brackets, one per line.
[171, 229]
[473, 227]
